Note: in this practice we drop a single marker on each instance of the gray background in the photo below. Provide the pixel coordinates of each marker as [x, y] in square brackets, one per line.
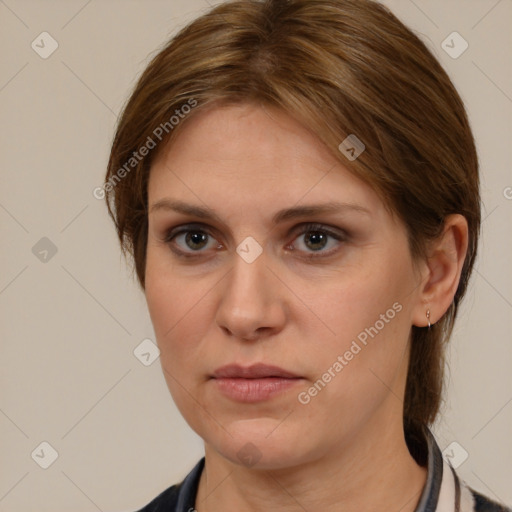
[70, 321]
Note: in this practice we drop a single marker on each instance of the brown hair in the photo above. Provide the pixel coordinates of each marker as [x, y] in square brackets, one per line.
[339, 67]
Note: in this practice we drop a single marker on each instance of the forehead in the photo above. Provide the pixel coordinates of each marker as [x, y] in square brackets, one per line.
[246, 132]
[248, 155]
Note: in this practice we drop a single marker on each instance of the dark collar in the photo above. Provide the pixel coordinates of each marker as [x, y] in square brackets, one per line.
[188, 489]
[430, 494]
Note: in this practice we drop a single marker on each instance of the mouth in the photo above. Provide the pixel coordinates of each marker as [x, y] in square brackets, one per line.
[255, 371]
[254, 383]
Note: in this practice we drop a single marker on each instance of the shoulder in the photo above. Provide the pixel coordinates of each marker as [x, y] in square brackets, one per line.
[484, 504]
[164, 502]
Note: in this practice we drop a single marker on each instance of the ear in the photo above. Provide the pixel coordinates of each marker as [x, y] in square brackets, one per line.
[444, 264]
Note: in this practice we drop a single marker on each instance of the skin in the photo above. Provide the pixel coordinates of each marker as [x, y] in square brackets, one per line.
[245, 163]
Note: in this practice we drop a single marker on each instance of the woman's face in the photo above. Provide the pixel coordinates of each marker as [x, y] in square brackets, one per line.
[289, 261]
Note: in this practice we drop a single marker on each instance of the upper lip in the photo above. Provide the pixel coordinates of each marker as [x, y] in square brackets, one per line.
[255, 371]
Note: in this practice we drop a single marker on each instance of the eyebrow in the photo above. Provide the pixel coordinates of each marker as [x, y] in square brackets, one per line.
[203, 212]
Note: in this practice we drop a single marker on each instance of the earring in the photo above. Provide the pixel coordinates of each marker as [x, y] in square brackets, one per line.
[428, 317]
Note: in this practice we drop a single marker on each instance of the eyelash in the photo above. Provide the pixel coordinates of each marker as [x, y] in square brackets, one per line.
[304, 228]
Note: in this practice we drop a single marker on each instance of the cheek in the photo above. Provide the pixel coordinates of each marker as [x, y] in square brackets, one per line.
[173, 313]
[369, 315]
[181, 312]
[168, 303]
[167, 294]
[366, 305]
[355, 378]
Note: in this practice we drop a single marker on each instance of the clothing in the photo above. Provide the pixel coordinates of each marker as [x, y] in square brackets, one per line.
[443, 491]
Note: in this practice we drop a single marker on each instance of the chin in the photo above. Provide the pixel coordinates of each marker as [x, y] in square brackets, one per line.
[261, 444]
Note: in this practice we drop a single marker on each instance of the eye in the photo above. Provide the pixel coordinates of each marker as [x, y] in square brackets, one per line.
[317, 239]
[187, 240]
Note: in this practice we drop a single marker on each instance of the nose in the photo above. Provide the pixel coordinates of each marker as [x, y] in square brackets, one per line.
[252, 303]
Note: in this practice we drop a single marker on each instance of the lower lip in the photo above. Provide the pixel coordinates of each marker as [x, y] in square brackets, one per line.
[254, 390]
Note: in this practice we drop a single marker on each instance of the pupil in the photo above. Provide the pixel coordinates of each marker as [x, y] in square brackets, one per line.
[197, 239]
[316, 238]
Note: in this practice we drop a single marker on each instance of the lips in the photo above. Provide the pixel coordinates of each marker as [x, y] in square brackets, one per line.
[256, 383]
[256, 371]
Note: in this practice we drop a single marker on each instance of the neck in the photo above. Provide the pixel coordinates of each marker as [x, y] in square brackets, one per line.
[369, 472]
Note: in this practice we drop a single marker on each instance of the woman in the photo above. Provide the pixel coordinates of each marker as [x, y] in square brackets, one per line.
[297, 183]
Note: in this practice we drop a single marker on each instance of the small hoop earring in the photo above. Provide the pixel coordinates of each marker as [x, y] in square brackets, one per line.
[428, 317]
